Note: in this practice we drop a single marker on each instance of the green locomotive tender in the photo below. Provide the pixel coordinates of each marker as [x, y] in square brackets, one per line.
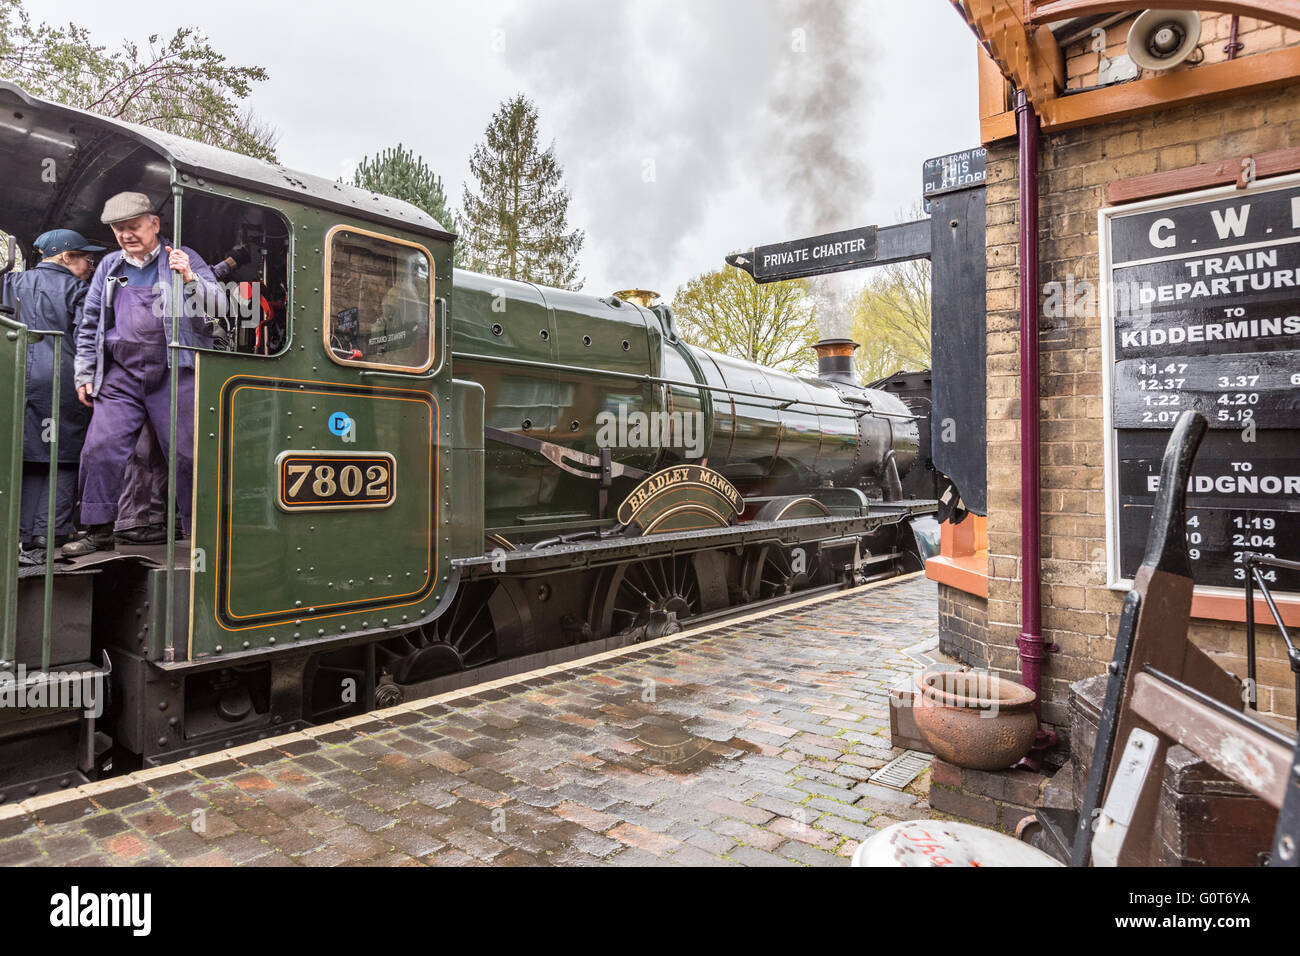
[407, 478]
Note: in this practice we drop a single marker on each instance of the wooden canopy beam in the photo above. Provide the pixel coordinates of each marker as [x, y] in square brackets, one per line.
[1284, 12]
[1163, 91]
[1027, 55]
[1019, 45]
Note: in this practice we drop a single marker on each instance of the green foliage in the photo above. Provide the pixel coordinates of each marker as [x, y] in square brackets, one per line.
[773, 324]
[400, 173]
[516, 223]
[891, 319]
[179, 85]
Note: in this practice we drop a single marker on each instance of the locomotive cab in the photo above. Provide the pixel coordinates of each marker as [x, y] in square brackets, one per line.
[331, 448]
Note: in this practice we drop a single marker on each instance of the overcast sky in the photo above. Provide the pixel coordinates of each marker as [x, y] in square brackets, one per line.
[687, 128]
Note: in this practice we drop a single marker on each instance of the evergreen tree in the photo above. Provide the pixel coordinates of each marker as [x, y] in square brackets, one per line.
[517, 220]
[402, 174]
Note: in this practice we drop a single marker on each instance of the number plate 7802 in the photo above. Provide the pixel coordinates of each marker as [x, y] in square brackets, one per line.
[311, 481]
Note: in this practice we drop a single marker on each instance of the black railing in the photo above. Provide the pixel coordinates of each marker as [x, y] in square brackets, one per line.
[1255, 578]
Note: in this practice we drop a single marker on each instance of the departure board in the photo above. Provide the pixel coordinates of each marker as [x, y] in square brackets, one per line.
[1202, 311]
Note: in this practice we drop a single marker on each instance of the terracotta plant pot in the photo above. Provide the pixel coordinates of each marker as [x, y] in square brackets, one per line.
[974, 720]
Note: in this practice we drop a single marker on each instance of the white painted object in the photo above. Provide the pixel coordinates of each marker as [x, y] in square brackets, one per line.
[945, 843]
[1122, 800]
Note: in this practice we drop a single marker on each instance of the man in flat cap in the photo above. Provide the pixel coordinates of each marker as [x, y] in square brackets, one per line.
[48, 298]
[142, 508]
[124, 364]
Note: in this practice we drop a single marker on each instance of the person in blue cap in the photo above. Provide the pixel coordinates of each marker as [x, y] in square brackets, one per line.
[49, 298]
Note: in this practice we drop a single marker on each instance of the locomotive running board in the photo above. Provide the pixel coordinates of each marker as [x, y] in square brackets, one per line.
[584, 552]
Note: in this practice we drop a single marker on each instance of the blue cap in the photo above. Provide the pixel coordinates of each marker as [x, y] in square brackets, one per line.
[63, 240]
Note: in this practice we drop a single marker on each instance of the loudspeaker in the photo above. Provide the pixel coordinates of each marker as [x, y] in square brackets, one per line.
[1161, 39]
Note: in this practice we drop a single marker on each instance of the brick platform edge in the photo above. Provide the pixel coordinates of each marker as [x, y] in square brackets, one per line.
[998, 799]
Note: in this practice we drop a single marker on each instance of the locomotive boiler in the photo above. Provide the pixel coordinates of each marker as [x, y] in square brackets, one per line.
[408, 478]
[559, 368]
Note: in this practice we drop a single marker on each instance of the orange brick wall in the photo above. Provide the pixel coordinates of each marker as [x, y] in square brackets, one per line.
[1080, 613]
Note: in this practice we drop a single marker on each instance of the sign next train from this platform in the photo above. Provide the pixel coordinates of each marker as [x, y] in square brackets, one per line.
[967, 169]
[1203, 312]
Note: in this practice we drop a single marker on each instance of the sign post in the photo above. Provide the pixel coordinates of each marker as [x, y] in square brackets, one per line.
[814, 256]
[953, 239]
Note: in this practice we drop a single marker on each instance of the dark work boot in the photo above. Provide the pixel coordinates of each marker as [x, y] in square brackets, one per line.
[100, 538]
[143, 534]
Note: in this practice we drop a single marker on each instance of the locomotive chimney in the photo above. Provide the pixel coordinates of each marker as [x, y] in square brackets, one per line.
[835, 360]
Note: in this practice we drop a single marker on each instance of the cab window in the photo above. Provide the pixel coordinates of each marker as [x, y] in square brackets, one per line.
[378, 307]
[247, 247]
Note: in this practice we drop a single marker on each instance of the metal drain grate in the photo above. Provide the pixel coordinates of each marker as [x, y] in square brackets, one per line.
[902, 770]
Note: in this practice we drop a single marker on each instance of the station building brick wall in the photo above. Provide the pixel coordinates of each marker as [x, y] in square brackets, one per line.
[963, 626]
[1080, 614]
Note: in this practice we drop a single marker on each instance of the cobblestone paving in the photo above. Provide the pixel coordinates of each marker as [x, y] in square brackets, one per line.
[750, 744]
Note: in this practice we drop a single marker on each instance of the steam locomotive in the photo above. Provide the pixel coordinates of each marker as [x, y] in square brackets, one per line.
[408, 478]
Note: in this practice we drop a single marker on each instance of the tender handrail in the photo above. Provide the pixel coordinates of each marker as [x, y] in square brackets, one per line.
[47, 608]
[15, 332]
[166, 647]
[25, 336]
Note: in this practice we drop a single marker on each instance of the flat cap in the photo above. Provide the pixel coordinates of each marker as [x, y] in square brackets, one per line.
[127, 206]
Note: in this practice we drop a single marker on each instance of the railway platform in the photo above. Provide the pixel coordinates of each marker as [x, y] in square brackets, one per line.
[749, 742]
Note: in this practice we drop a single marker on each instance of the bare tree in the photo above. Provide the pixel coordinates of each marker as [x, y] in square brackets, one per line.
[773, 324]
[891, 320]
[179, 85]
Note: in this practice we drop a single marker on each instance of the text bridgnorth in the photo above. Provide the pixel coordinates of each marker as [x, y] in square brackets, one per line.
[1236, 484]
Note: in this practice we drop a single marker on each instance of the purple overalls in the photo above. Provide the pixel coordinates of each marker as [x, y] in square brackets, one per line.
[144, 486]
[134, 390]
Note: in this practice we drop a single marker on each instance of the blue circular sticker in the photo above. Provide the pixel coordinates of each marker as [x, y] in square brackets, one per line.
[340, 424]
